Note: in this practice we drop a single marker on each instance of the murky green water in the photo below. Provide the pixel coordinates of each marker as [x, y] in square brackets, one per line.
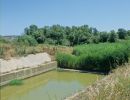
[53, 85]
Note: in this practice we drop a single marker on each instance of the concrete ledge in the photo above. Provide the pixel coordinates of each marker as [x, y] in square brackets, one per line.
[27, 72]
[81, 71]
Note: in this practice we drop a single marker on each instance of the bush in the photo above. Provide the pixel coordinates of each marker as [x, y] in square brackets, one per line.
[16, 82]
[26, 40]
[113, 36]
[41, 39]
[65, 42]
[128, 32]
[95, 57]
[95, 39]
[3, 40]
[122, 33]
[50, 41]
[104, 37]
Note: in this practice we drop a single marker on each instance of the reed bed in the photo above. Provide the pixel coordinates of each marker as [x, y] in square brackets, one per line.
[95, 57]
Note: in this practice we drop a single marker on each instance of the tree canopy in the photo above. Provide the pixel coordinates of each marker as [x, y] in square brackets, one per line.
[74, 35]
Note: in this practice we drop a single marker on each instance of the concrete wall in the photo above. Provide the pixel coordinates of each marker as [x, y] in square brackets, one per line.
[25, 73]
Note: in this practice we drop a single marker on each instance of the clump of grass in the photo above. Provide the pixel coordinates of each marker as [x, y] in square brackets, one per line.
[95, 57]
[115, 86]
[16, 82]
[6, 50]
[66, 60]
[20, 50]
[1, 52]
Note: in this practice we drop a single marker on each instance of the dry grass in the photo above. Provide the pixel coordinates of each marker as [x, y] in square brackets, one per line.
[115, 86]
[8, 50]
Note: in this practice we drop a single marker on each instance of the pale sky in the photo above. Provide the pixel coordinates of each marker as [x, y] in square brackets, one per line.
[105, 15]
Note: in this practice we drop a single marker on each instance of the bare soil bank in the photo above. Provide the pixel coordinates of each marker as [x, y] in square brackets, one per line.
[29, 61]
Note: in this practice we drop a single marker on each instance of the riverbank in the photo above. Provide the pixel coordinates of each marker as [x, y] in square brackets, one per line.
[29, 61]
[113, 87]
[81, 71]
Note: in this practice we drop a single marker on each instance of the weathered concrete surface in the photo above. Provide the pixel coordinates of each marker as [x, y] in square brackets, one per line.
[5, 78]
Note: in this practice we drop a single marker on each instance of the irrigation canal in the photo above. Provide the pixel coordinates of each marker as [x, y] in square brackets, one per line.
[52, 85]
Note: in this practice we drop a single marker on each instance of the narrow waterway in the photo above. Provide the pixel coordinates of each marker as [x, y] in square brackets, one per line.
[53, 85]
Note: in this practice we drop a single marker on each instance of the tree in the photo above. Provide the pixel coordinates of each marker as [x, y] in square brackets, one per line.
[60, 35]
[122, 33]
[31, 30]
[71, 38]
[41, 39]
[26, 40]
[67, 30]
[103, 36]
[56, 33]
[95, 39]
[27, 31]
[128, 32]
[94, 31]
[65, 42]
[113, 36]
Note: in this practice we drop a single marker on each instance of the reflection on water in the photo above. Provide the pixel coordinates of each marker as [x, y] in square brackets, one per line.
[52, 85]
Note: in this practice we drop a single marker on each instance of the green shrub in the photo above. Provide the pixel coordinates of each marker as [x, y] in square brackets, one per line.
[128, 32]
[113, 36]
[104, 37]
[16, 82]
[26, 40]
[95, 39]
[122, 33]
[3, 40]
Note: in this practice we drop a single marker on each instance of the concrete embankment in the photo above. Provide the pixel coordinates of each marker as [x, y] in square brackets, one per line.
[5, 78]
[29, 61]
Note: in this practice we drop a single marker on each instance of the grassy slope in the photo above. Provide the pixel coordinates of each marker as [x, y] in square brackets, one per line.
[115, 86]
[8, 50]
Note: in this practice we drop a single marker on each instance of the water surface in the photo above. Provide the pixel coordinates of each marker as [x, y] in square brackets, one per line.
[53, 85]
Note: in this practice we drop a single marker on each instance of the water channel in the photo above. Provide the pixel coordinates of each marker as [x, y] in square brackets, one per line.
[52, 85]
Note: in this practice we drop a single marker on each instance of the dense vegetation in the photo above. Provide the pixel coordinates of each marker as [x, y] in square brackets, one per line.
[65, 35]
[33, 38]
[68, 36]
[95, 57]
